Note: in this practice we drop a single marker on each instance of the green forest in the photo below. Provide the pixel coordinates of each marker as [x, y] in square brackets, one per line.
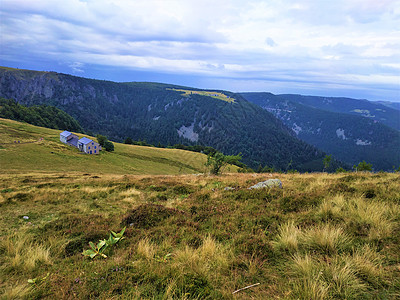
[350, 138]
[39, 115]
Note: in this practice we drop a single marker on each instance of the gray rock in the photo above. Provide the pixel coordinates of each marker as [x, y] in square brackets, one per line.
[267, 184]
[228, 188]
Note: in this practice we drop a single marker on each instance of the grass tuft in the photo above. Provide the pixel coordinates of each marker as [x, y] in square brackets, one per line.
[15, 291]
[343, 280]
[288, 238]
[327, 239]
[147, 249]
[367, 263]
[21, 254]
[309, 283]
[375, 216]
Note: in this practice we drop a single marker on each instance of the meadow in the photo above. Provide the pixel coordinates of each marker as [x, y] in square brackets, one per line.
[322, 236]
[215, 95]
[27, 148]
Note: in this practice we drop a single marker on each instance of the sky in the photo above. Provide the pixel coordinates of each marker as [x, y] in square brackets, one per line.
[348, 48]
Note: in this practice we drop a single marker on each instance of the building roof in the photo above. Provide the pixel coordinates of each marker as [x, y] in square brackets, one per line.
[73, 142]
[85, 140]
[65, 133]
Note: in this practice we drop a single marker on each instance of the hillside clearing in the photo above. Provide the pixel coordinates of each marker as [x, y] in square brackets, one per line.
[215, 95]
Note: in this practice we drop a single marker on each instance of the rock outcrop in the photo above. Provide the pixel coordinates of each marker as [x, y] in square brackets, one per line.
[267, 184]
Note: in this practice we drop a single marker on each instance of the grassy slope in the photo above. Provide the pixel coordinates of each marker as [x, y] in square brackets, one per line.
[49, 155]
[321, 237]
[215, 95]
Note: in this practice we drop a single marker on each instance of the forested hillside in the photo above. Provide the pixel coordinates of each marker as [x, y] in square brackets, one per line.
[39, 115]
[156, 113]
[350, 138]
[385, 114]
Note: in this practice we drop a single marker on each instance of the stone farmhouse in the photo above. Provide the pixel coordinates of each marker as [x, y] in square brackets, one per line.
[88, 146]
[84, 144]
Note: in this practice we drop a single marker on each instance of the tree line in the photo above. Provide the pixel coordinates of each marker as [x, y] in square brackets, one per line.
[39, 115]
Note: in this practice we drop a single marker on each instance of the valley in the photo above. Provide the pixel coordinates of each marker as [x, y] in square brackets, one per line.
[349, 134]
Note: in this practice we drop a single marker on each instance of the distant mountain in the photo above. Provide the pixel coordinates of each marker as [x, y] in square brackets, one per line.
[348, 136]
[376, 111]
[394, 105]
[166, 114]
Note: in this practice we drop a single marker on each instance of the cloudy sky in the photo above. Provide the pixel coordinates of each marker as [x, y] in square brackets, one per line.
[315, 47]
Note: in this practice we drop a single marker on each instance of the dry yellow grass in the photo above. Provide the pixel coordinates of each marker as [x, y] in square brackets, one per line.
[22, 254]
[15, 291]
[146, 249]
[208, 258]
[326, 238]
[288, 238]
[208, 242]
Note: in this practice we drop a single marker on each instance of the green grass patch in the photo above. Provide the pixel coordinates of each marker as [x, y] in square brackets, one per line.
[25, 152]
[215, 95]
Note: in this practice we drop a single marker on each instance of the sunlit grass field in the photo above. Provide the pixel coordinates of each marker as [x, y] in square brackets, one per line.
[215, 95]
[28, 148]
[322, 236]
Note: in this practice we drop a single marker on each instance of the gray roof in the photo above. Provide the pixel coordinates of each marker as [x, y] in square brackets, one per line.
[73, 142]
[65, 133]
[85, 140]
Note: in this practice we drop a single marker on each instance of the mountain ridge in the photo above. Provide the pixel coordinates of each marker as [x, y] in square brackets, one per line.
[350, 138]
[374, 110]
[148, 111]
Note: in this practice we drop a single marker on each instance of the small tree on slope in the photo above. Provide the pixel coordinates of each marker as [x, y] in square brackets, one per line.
[217, 161]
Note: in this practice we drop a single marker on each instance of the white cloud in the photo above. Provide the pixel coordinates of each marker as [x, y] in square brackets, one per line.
[344, 42]
[77, 67]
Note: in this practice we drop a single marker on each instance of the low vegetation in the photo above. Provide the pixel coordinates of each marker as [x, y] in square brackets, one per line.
[215, 95]
[323, 236]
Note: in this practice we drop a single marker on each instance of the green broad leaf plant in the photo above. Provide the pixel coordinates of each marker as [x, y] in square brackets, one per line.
[102, 245]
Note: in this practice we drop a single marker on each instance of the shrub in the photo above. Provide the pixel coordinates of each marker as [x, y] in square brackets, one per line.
[109, 146]
[128, 141]
[217, 161]
[363, 166]
[148, 215]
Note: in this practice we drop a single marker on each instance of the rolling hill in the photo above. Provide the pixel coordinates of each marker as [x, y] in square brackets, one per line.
[26, 148]
[166, 114]
[350, 138]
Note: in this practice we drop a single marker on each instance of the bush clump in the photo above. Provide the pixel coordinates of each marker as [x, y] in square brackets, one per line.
[148, 215]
